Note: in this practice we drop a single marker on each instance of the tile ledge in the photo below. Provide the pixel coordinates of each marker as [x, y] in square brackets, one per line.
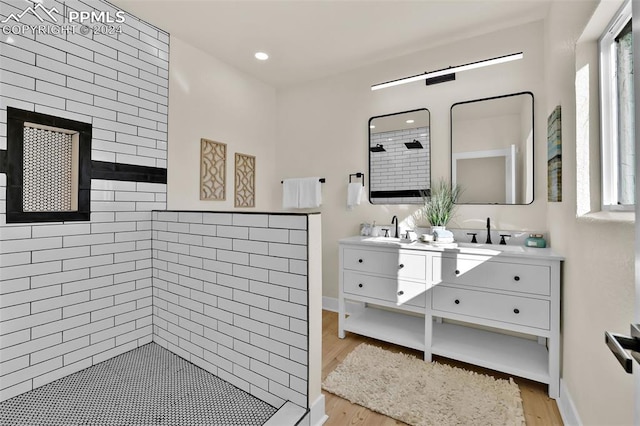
[289, 414]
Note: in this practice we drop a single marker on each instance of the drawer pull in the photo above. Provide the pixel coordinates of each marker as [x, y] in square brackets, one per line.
[401, 265]
[400, 293]
[360, 285]
[457, 302]
[517, 278]
[516, 311]
[359, 260]
[457, 272]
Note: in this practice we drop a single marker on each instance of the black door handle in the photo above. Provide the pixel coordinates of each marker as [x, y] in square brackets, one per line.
[618, 344]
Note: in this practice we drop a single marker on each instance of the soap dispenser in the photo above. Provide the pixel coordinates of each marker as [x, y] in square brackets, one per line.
[535, 240]
[374, 230]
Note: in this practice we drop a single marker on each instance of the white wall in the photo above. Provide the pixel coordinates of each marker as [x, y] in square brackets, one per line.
[210, 99]
[322, 129]
[598, 275]
[480, 134]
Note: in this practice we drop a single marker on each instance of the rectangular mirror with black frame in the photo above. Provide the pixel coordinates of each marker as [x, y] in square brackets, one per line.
[492, 149]
[400, 157]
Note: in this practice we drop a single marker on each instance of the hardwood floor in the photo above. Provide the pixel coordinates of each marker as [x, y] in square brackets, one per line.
[539, 409]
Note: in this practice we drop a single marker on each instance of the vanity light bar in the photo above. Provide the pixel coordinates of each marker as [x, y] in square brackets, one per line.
[450, 70]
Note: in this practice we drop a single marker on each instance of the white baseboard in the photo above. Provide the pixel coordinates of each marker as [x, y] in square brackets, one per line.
[317, 415]
[331, 304]
[289, 414]
[566, 407]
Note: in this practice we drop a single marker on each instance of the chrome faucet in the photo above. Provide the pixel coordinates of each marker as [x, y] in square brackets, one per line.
[395, 220]
[489, 231]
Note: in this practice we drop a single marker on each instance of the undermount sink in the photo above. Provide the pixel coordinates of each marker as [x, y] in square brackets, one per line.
[389, 241]
[492, 247]
[478, 247]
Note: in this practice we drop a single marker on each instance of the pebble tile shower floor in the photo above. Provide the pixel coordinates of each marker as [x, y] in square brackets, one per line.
[146, 386]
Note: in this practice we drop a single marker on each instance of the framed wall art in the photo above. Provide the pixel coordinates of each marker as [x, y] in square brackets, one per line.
[554, 155]
[213, 168]
[245, 180]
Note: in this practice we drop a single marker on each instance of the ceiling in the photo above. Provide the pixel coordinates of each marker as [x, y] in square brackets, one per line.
[312, 39]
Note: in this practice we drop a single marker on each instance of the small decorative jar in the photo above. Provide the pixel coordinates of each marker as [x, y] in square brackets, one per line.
[535, 240]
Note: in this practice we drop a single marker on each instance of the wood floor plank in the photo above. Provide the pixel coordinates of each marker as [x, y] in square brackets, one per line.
[539, 409]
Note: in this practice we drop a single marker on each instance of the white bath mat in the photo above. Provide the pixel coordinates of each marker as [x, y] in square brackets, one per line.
[421, 393]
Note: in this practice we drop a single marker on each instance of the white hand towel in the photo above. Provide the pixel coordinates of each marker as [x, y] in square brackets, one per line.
[310, 194]
[354, 194]
[290, 191]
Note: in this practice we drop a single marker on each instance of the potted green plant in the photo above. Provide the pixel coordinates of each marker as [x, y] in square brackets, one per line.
[440, 205]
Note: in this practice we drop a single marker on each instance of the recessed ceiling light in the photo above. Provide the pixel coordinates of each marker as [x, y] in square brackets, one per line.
[261, 56]
[409, 121]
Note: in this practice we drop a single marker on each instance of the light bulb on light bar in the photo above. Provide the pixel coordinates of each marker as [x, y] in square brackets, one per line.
[450, 70]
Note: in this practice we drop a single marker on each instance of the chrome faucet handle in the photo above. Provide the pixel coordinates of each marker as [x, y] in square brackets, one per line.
[473, 238]
[502, 241]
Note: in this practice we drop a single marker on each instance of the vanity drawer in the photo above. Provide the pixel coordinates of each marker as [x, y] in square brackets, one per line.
[534, 279]
[498, 307]
[396, 263]
[387, 289]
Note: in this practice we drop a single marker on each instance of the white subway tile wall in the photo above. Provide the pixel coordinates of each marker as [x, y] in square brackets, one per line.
[74, 294]
[400, 168]
[116, 82]
[230, 295]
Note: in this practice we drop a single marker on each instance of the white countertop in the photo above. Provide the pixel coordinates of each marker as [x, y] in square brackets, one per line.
[463, 248]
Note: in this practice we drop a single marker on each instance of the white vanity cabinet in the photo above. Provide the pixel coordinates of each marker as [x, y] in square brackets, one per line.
[493, 308]
[517, 294]
[392, 278]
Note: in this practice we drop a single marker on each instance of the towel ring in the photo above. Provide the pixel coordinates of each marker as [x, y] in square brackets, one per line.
[357, 175]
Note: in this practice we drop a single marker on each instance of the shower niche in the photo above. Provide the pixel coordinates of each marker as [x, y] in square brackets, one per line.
[48, 168]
